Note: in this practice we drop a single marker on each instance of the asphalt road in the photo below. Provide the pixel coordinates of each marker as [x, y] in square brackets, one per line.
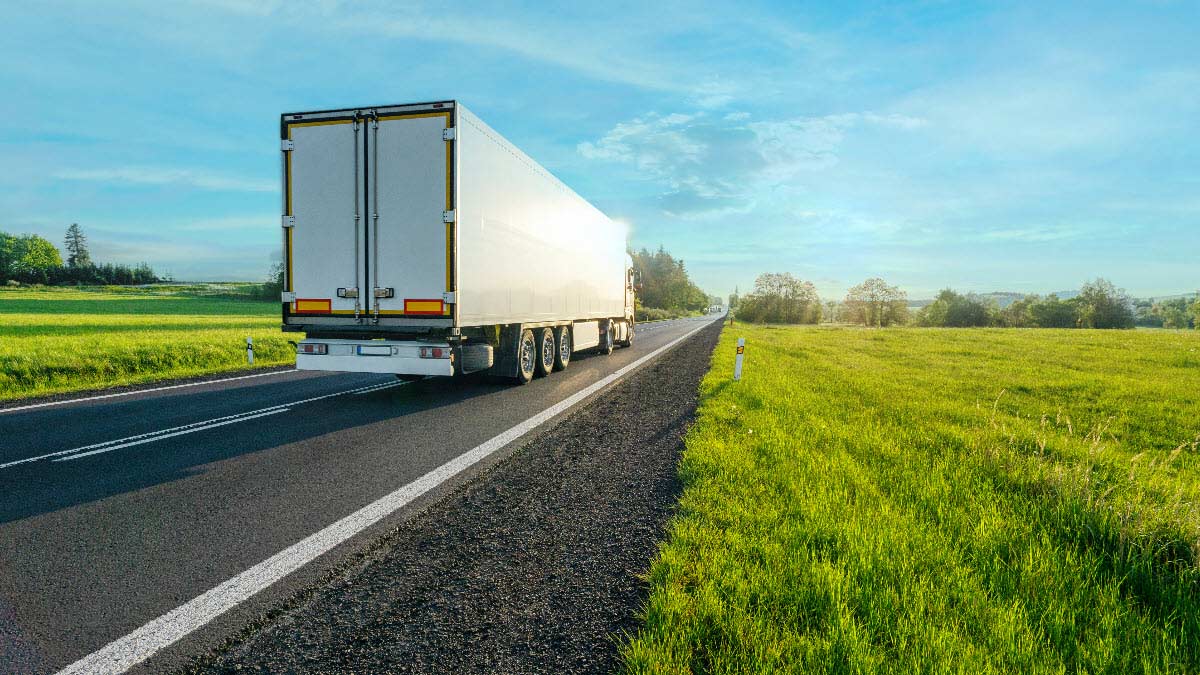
[116, 511]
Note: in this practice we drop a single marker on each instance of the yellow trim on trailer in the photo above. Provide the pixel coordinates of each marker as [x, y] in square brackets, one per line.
[287, 157]
[316, 123]
[382, 312]
[400, 116]
[449, 200]
[450, 227]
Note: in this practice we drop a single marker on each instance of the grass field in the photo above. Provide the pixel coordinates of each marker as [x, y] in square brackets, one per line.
[936, 500]
[57, 340]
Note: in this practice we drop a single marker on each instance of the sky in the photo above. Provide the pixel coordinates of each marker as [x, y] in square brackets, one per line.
[999, 146]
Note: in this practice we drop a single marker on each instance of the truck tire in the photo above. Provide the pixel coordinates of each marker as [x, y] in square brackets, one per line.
[547, 350]
[562, 355]
[526, 357]
[628, 341]
[606, 339]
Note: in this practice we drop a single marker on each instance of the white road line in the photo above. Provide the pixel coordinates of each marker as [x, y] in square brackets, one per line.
[177, 433]
[126, 652]
[141, 391]
[166, 433]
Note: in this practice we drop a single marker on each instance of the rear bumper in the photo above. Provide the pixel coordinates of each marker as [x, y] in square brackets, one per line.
[376, 356]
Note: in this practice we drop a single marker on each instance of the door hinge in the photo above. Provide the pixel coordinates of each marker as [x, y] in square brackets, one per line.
[289, 221]
[288, 296]
[448, 134]
[447, 216]
[448, 297]
[287, 145]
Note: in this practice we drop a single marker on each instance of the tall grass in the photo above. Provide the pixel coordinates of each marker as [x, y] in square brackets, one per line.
[55, 340]
[914, 500]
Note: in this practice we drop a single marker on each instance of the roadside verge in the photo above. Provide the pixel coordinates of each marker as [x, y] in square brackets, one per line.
[534, 566]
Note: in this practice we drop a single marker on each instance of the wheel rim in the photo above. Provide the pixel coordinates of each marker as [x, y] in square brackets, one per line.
[564, 347]
[527, 354]
[548, 351]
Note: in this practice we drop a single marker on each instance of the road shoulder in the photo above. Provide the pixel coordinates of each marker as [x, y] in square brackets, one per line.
[533, 566]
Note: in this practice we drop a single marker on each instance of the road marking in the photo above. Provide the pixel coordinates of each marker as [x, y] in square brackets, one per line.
[130, 650]
[141, 391]
[206, 424]
[177, 433]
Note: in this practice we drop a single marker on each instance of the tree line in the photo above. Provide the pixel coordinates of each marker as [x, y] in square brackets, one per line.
[665, 285]
[31, 259]
[782, 298]
[1098, 305]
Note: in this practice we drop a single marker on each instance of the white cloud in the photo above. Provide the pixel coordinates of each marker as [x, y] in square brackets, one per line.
[1033, 235]
[143, 175]
[729, 165]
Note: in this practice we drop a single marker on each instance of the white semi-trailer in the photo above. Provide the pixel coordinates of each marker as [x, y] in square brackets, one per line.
[418, 241]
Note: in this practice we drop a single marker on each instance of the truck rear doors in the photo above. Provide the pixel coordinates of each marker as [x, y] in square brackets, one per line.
[369, 215]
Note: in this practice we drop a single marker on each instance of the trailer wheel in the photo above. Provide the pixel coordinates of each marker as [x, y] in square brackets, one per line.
[547, 351]
[562, 357]
[606, 339]
[628, 341]
[526, 357]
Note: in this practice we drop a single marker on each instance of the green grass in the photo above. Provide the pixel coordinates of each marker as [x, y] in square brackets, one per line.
[911, 500]
[55, 340]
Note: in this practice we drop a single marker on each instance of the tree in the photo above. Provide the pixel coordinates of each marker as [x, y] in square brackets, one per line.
[665, 282]
[1194, 310]
[875, 303]
[36, 258]
[8, 254]
[77, 251]
[1054, 313]
[1017, 314]
[831, 312]
[781, 298]
[1170, 313]
[1174, 316]
[954, 310]
[1103, 305]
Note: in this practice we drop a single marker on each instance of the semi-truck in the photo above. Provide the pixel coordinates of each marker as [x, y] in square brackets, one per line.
[418, 241]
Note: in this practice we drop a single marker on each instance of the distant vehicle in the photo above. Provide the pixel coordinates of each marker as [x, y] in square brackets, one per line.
[418, 241]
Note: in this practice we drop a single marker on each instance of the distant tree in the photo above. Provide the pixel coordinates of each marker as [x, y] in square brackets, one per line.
[1171, 313]
[8, 254]
[1102, 305]
[665, 282]
[1174, 316]
[781, 298]
[954, 310]
[734, 300]
[875, 303]
[1054, 313]
[1017, 314]
[36, 258]
[832, 311]
[1194, 310]
[1145, 313]
[77, 250]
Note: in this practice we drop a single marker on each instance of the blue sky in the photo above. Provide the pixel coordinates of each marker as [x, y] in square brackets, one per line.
[984, 146]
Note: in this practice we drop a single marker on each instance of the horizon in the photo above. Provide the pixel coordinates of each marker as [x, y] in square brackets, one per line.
[971, 147]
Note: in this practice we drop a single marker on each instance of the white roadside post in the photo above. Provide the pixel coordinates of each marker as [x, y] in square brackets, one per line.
[737, 365]
[250, 350]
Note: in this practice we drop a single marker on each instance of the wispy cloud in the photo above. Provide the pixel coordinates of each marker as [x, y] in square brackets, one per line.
[144, 175]
[709, 166]
[1034, 235]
